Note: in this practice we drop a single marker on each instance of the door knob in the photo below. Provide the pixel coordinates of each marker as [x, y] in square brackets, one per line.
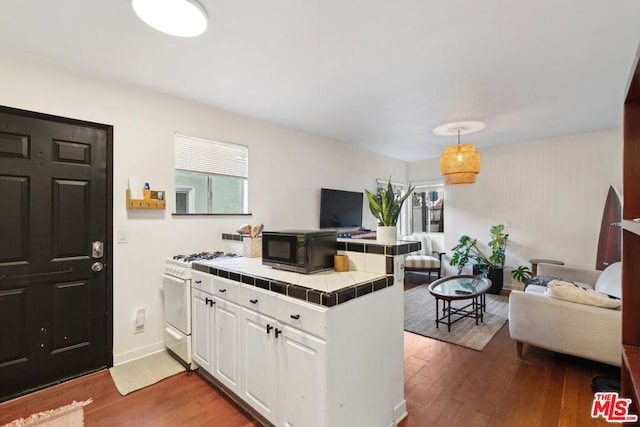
[97, 266]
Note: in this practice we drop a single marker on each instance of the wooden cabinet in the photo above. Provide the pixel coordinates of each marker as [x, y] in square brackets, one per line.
[631, 242]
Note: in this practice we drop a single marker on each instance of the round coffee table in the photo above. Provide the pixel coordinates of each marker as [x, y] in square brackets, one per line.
[461, 287]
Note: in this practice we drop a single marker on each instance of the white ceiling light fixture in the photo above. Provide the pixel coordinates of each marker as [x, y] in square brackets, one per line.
[181, 18]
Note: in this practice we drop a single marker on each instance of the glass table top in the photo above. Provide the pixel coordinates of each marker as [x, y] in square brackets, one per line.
[464, 286]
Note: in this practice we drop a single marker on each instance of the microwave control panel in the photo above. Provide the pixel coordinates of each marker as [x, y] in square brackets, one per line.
[301, 245]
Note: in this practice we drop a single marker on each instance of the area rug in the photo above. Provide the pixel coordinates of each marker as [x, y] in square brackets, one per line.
[145, 371]
[420, 315]
[71, 415]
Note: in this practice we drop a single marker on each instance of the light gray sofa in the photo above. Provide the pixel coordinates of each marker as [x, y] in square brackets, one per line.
[587, 331]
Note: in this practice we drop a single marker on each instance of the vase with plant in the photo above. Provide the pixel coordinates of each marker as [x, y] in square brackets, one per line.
[385, 206]
[491, 266]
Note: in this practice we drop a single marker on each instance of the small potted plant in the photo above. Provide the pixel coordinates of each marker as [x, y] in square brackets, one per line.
[521, 274]
[491, 266]
[385, 206]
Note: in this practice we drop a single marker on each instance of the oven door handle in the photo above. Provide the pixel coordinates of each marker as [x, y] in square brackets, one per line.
[176, 279]
[173, 334]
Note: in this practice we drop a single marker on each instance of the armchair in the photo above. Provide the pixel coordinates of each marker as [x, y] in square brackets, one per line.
[426, 260]
[587, 331]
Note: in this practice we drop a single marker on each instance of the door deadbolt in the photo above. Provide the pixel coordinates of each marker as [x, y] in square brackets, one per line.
[97, 249]
[97, 266]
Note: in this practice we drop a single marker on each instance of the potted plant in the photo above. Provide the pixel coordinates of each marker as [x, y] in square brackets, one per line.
[521, 274]
[385, 206]
[491, 266]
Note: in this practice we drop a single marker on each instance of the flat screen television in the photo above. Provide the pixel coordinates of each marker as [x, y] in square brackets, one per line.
[340, 209]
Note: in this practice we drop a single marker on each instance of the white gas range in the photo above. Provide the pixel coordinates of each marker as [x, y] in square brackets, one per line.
[177, 302]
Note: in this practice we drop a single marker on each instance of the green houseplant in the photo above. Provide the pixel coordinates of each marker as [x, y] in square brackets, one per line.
[521, 274]
[385, 206]
[467, 252]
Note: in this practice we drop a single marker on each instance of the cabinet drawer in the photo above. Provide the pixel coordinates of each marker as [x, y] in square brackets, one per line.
[202, 281]
[227, 289]
[264, 302]
[304, 316]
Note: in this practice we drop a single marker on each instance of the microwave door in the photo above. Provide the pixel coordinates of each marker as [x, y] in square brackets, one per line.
[282, 249]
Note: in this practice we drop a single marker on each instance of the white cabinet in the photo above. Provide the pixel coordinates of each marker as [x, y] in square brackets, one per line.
[283, 368]
[301, 364]
[226, 343]
[259, 363]
[216, 329]
[202, 328]
[302, 376]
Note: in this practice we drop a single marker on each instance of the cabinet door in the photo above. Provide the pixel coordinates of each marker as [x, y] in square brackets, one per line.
[202, 327]
[259, 380]
[302, 377]
[226, 343]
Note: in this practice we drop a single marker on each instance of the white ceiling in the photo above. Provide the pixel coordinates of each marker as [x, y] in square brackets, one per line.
[377, 74]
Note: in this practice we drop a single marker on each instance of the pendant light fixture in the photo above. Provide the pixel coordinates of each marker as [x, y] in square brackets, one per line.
[460, 163]
[181, 18]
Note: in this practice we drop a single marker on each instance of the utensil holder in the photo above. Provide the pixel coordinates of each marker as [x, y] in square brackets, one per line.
[252, 247]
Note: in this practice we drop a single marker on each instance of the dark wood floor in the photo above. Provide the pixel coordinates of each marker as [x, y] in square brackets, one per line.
[445, 385]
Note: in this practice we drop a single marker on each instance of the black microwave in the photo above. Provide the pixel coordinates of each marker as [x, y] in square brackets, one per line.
[302, 251]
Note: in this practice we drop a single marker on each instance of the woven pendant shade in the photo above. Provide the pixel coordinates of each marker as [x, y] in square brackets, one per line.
[459, 164]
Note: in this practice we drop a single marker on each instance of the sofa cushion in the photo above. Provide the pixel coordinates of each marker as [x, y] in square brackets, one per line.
[569, 291]
[421, 261]
[610, 280]
[536, 288]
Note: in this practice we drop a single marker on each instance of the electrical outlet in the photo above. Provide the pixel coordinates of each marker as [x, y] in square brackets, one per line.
[138, 326]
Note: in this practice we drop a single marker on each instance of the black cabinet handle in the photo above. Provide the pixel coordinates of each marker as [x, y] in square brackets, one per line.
[295, 316]
[198, 281]
[253, 301]
[206, 301]
[211, 302]
[278, 332]
[269, 328]
[223, 290]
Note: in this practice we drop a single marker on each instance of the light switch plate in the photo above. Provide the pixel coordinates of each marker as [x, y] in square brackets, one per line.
[123, 236]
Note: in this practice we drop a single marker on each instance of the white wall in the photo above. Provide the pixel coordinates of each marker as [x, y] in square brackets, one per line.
[550, 194]
[287, 168]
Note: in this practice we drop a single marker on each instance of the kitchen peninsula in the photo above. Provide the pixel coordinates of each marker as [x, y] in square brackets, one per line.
[323, 349]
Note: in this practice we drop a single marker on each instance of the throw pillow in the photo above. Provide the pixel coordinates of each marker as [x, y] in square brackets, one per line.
[569, 291]
[539, 281]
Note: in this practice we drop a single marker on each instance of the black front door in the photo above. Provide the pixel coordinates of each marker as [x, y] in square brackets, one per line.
[55, 201]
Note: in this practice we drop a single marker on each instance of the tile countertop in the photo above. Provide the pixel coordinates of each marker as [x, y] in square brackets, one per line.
[325, 281]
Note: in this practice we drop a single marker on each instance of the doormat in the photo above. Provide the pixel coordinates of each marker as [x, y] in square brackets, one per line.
[71, 415]
[143, 372]
[420, 318]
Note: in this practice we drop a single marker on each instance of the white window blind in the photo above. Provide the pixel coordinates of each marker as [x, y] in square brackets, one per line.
[211, 157]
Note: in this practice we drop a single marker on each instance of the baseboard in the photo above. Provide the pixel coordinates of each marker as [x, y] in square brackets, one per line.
[400, 412]
[119, 359]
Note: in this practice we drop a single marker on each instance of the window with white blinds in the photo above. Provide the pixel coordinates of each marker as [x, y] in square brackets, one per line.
[211, 157]
[211, 176]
